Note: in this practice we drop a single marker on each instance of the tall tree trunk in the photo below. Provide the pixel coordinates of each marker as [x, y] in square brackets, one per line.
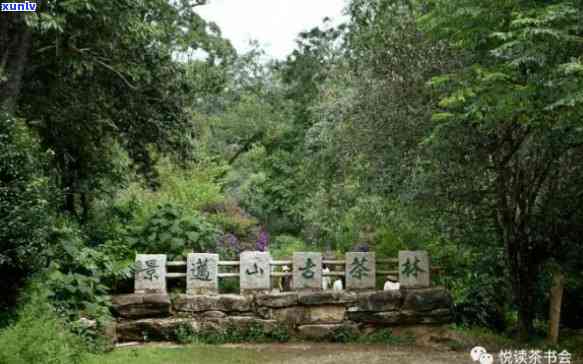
[555, 306]
[17, 38]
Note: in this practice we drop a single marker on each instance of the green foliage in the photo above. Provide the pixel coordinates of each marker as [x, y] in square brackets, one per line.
[283, 246]
[381, 336]
[39, 335]
[171, 232]
[253, 333]
[26, 198]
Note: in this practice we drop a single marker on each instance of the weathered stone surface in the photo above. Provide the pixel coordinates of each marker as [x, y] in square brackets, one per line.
[245, 323]
[290, 316]
[438, 316]
[214, 314]
[202, 273]
[319, 332]
[136, 306]
[307, 271]
[255, 271]
[150, 273]
[326, 298]
[226, 303]
[326, 314]
[414, 269]
[390, 317]
[430, 299]
[378, 301]
[360, 270]
[151, 329]
[277, 300]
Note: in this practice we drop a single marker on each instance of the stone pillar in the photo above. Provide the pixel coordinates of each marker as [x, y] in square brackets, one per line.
[360, 270]
[255, 272]
[150, 273]
[202, 273]
[307, 271]
[414, 269]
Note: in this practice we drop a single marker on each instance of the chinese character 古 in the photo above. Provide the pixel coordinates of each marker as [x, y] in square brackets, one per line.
[412, 269]
[359, 269]
[307, 271]
[149, 269]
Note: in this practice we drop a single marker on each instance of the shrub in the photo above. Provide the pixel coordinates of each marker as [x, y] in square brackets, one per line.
[26, 205]
[283, 246]
[171, 231]
[39, 336]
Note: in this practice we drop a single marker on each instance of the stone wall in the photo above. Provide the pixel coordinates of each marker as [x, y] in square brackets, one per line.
[307, 315]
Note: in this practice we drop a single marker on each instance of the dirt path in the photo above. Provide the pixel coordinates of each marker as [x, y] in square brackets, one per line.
[353, 354]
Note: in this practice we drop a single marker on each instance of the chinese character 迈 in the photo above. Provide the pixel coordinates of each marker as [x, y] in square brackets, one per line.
[201, 271]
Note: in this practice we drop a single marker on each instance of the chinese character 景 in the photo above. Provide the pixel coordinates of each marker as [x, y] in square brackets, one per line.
[149, 269]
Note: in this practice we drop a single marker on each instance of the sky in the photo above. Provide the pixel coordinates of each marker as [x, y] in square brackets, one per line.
[274, 23]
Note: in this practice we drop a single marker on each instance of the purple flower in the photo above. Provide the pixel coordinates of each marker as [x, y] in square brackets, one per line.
[262, 241]
[228, 246]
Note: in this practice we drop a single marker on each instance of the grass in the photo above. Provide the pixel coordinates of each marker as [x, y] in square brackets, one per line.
[183, 354]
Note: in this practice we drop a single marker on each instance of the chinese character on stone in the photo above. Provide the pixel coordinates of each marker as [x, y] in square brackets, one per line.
[150, 273]
[360, 270]
[255, 271]
[307, 271]
[202, 273]
[414, 269]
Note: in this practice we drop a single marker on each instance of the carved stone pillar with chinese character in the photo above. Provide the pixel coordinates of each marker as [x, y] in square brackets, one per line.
[255, 272]
[150, 273]
[360, 270]
[414, 269]
[307, 271]
[202, 273]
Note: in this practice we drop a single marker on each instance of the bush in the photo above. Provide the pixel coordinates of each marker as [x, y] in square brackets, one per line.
[283, 246]
[39, 336]
[26, 206]
[171, 231]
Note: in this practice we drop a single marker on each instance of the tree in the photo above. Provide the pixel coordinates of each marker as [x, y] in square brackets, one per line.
[100, 78]
[509, 132]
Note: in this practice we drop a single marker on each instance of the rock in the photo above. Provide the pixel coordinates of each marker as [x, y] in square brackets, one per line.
[151, 329]
[320, 332]
[326, 298]
[439, 316]
[420, 300]
[386, 318]
[379, 301]
[244, 323]
[291, 316]
[226, 303]
[214, 314]
[135, 306]
[326, 314]
[277, 300]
